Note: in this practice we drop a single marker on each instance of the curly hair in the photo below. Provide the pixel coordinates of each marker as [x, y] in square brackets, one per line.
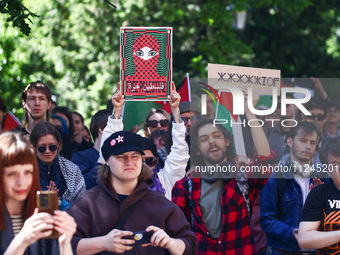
[198, 160]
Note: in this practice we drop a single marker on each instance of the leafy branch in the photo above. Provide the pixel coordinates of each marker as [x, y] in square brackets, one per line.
[18, 14]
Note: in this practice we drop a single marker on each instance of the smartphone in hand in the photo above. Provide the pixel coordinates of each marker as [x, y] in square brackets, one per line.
[140, 237]
[47, 201]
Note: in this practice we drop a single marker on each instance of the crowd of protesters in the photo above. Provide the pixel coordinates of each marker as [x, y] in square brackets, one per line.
[120, 182]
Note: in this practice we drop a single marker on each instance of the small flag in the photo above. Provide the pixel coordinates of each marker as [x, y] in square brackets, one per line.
[135, 112]
[184, 90]
[10, 122]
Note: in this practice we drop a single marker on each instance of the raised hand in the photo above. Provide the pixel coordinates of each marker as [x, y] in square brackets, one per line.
[175, 97]
[316, 182]
[118, 102]
[52, 187]
[255, 97]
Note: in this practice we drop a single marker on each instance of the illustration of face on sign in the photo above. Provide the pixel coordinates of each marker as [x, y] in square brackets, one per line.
[145, 56]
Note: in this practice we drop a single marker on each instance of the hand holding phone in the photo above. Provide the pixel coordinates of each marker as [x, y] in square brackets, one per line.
[47, 201]
[140, 237]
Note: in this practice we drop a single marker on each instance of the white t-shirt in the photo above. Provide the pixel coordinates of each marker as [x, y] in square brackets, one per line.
[304, 185]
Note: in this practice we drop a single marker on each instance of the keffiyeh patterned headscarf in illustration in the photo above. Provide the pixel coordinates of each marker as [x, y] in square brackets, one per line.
[145, 56]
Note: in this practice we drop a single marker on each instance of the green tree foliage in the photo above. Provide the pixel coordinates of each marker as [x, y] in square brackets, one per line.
[74, 44]
[18, 14]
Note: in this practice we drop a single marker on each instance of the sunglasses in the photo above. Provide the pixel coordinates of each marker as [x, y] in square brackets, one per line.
[52, 148]
[319, 117]
[193, 119]
[150, 161]
[154, 123]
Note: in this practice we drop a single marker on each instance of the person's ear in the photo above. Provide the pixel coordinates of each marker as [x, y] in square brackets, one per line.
[290, 142]
[49, 105]
[227, 142]
[23, 104]
[59, 147]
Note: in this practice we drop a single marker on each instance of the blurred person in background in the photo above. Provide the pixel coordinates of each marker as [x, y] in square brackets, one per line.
[318, 110]
[277, 135]
[331, 127]
[66, 114]
[3, 109]
[86, 134]
[158, 138]
[78, 143]
[87, 159]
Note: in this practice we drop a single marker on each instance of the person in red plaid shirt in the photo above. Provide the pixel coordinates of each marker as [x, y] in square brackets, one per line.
[219, 205]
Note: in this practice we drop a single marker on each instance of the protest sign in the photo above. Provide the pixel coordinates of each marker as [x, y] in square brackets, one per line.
[146, 63]
[261, 80]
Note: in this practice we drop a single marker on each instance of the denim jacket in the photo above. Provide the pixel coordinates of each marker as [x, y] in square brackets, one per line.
[280, 216]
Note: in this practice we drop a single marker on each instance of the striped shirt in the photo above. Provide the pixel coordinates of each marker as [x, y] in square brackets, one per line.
[17, 223]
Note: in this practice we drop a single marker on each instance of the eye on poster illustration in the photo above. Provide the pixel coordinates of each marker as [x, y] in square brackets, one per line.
[146, 62]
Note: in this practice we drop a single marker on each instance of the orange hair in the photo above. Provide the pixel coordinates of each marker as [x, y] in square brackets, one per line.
[16, 150]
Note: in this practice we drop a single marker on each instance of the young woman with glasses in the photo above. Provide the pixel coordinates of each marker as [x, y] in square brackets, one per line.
[22, 228]
[156, 119]
[56, 172]
[176, 162]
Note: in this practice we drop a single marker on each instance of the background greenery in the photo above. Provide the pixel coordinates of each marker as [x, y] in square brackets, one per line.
[73, 45]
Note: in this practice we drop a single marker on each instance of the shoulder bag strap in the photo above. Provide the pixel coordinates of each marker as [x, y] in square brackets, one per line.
[126, 215]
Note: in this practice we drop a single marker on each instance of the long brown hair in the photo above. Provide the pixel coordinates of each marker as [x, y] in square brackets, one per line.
[16, 150]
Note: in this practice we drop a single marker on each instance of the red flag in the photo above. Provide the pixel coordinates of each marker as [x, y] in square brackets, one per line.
[183, 89]
[227, 101]
[10, 122]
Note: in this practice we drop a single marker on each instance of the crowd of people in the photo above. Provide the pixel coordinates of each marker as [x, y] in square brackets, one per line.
[120, 183]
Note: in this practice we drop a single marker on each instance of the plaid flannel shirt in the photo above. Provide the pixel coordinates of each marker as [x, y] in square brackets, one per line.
[236, 234]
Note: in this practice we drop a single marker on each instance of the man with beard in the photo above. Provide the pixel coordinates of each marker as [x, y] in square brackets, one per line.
[219, 204]
[285, 193]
